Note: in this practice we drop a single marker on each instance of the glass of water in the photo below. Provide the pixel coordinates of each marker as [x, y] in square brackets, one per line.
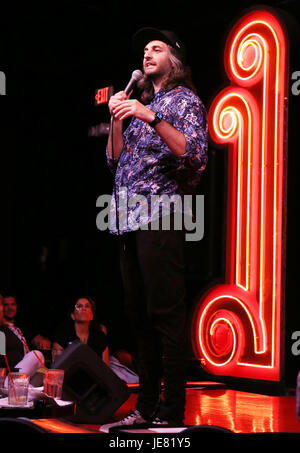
[18, 384]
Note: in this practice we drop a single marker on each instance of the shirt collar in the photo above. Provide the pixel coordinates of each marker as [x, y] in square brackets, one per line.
[163, 91]
[159, 94]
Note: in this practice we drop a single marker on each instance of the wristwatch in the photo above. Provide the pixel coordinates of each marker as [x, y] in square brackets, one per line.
[157, 119]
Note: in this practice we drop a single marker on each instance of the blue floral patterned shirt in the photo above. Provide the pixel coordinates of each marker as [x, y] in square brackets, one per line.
[147, 169]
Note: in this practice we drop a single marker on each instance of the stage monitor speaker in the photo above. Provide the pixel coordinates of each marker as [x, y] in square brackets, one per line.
[97, 391]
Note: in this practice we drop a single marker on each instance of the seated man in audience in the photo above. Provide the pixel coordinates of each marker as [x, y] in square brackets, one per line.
[10, 313]
[17, 352]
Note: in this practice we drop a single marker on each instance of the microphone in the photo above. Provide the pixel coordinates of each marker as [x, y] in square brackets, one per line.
[135, 77]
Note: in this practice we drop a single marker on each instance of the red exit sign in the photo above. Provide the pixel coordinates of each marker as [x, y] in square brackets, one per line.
[103, 95]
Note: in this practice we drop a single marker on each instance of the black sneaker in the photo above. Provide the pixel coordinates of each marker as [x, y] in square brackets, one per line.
[134, 420]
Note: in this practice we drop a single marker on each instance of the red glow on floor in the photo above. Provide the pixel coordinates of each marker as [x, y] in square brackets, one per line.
[240, 412]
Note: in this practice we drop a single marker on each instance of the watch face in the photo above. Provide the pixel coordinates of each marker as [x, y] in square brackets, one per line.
[157, 119]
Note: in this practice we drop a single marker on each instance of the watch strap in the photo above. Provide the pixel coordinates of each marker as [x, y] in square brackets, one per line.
[157, 119]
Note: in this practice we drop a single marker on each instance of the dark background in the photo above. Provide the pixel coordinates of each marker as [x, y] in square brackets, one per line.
[54, 56]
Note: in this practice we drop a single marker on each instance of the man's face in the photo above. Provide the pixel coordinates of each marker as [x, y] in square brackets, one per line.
[10, 308]
[156, 61]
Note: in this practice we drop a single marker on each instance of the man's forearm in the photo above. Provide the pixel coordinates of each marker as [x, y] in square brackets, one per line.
[115, 139]
[174, 139]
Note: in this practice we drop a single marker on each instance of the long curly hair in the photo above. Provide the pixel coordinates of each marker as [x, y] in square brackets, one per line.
[179, 75]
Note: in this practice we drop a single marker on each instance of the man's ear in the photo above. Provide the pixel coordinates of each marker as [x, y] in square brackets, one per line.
[72, 316]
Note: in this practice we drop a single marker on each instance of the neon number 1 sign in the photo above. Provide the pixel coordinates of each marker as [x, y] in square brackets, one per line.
[237, 325]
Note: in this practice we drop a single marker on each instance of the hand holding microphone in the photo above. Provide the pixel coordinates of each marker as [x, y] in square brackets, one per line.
[122, 107]
[115, 100]
[124, 95]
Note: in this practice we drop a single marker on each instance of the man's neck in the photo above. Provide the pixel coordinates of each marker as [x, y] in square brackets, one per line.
[156, 87]
[158, 83]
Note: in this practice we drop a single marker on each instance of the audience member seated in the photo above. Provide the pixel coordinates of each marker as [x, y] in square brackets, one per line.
[17, 352]
[10, 313]
[82, 324]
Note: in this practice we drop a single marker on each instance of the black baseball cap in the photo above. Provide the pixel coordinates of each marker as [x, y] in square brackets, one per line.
[141, 38]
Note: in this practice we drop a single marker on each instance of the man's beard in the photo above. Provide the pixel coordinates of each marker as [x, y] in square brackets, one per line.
[152, 77]
[156, 76]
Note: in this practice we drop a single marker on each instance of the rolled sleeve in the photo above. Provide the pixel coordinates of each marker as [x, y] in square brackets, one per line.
[112, 163]
[191, 120]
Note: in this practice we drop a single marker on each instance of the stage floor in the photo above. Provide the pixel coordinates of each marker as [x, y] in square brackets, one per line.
[216, 406]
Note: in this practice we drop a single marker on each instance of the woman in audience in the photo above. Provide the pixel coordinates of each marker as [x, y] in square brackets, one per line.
[82, 324]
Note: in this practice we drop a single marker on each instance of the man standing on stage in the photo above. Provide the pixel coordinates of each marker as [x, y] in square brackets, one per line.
[162, 152]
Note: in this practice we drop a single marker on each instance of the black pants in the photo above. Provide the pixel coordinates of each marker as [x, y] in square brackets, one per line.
[152, 268]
